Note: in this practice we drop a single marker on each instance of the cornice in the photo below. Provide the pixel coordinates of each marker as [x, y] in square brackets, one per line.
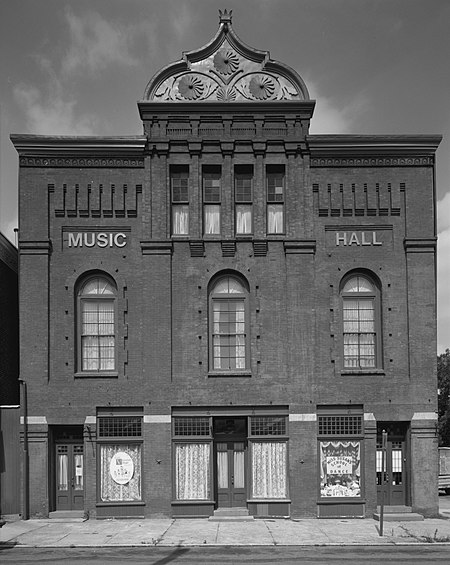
[38, 247]
[372, 150]
[420, 244]
[65, 151]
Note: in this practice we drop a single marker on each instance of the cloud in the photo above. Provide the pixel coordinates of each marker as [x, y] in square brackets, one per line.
[443, 213]
[328, 117]
[443, 276]
[95, 43]
[52, 112]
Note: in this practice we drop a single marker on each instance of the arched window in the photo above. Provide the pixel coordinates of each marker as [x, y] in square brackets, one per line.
[96, 324]
[361, 322]
[228, 324]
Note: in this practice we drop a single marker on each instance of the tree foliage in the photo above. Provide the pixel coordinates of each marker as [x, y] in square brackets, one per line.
[443, 375]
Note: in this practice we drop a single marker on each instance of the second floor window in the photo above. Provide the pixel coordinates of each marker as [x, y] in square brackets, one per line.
[97, 334]
[211, 200]
[243, 197]
[360, 306]
[275, 200]
[179, 180]
[228, 319]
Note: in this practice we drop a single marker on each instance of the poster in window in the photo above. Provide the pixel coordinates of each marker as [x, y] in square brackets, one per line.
[340, 469]
[121, 468]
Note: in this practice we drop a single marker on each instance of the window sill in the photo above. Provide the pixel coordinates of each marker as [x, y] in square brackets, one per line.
[226, 374]
[121, 503]
[193, 501]
[97, 374]
[346, 372]
[341, 499]
[267, 500]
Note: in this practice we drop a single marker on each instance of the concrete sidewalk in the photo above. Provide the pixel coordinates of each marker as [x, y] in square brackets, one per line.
[189, 532]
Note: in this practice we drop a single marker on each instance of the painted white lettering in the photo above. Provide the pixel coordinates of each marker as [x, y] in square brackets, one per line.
[102, 239]
[75, 240]
[374, 239]
[340, 238]
[88, 243]
[354, 239]
[123, 237]
[363, 239]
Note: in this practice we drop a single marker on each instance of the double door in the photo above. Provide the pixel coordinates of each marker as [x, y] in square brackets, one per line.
[395, 472]
[230, 473]
[69, 476]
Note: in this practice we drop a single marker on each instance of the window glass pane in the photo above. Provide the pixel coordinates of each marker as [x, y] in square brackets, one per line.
[180, 187]
[275, 184]
[228, 285]
[97, 335]
[229, 334]
[63, 477]
[222, 465]
[275, 218]
[211, 187]
[78, 466]
[192, 471]
[180, 219]
[243, 219]
[97, 285]
[212, 218]
[359, 333]
[340, 468]
[358, 284]
[239, 459]
[243, 189]
[120, 472]
[269, 470]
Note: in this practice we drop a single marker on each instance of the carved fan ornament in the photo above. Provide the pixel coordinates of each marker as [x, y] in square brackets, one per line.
[226, 62]
[190, 87]
[226, 70]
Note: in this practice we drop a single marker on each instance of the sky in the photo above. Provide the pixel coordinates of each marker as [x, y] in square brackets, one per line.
[78, 67]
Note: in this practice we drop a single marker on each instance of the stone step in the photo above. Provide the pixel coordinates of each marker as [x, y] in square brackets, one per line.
[399, 517]
[231, 515]
[67, 516]
[399, 508]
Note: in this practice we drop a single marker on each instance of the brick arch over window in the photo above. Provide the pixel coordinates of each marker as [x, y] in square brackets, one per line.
[96, 297]
[360, 293]
[228, 295]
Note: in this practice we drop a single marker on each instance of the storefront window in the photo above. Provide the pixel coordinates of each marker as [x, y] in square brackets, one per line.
[192, 471]
[269, 470]
[120, 472]
[340, 468]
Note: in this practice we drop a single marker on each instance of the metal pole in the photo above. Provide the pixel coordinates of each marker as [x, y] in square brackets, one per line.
[25, 493]
[383, 481]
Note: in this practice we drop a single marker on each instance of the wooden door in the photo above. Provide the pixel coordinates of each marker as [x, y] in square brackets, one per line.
[69, 476]
[231, 474]
[395, 472]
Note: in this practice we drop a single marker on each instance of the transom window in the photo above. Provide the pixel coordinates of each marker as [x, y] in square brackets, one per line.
[97, 334]
[243, 198]
[360, 307]
[179, 181]
[275, 200]
[228, 325]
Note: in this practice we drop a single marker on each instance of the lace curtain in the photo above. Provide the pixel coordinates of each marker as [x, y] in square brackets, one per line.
[97, 340]
[274, 218]
[110, 491]
[212, 219]
[243, 219]
[192, 462]
[269, 470]
[180, 219]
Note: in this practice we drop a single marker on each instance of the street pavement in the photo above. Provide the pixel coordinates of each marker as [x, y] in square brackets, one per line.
[168, 532]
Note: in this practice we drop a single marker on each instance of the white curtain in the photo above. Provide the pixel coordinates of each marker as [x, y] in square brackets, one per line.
[97, 340]
[269, 470]
[180, 219]
[110, 491]
[63, 481]
[212, 219]
[192, 461]
[275, 218]
[243, 219]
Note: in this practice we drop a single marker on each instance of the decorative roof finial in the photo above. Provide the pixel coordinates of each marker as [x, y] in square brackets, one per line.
[225, 16]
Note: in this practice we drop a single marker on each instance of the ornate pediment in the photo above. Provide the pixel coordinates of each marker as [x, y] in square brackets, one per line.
[226, 70]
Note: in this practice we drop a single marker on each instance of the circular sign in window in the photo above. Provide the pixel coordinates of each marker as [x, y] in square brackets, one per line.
[121, 468]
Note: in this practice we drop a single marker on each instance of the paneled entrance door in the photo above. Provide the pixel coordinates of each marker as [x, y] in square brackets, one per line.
[69, 476]
[230, 473]
[395, 472]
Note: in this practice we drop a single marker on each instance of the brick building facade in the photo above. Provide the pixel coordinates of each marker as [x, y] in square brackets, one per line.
[226, 311]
